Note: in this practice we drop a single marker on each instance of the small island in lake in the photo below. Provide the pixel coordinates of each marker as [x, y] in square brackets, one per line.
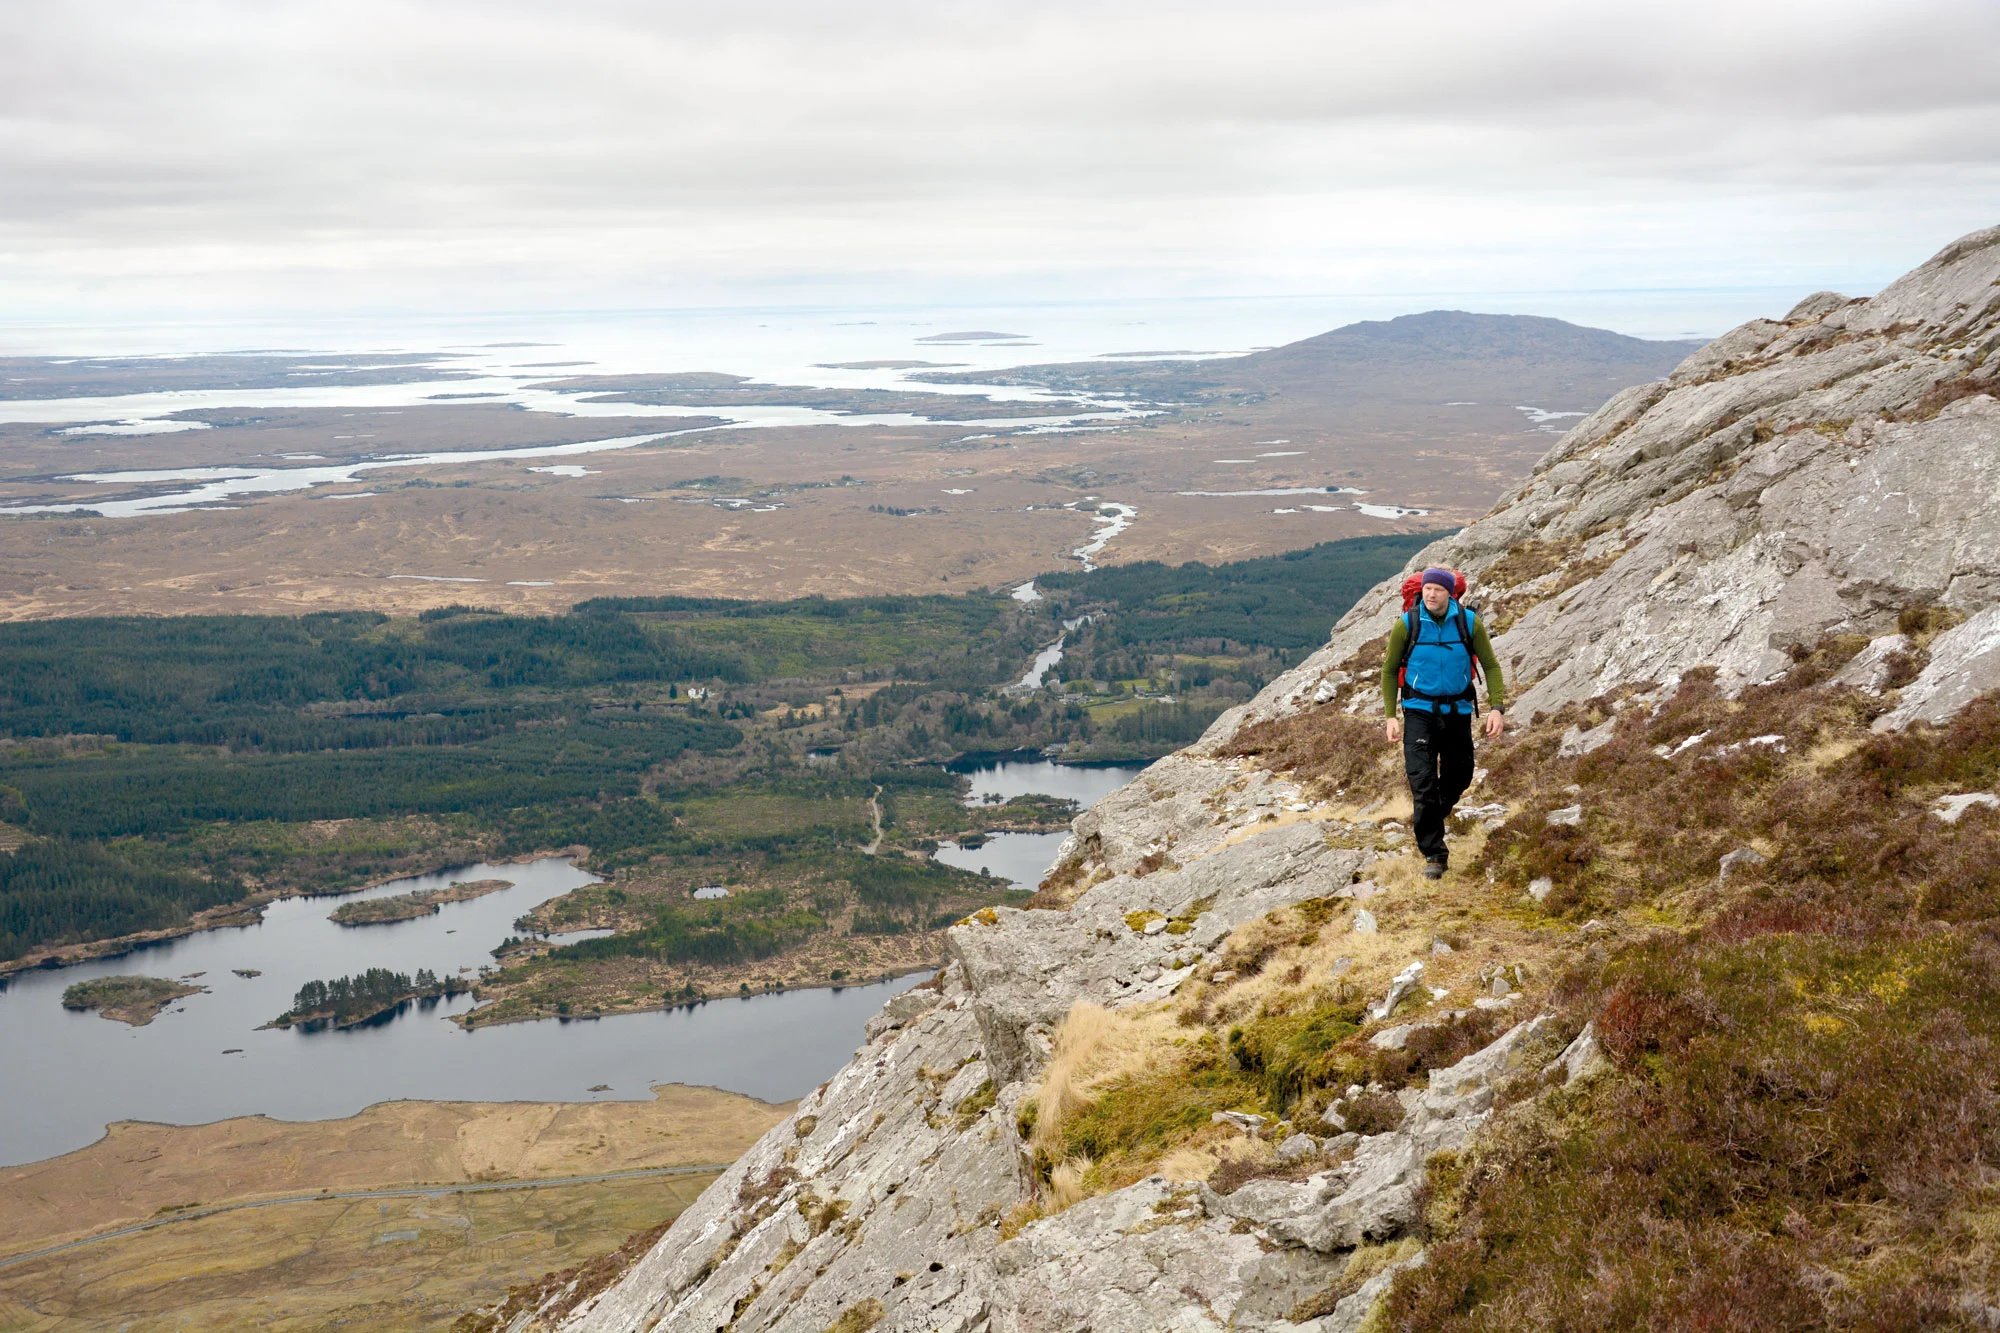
[347, 1002]
[134, 1000]
[409, 906]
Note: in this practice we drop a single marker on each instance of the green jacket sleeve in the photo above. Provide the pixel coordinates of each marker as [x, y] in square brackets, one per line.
[1496, 688]
[1392, 658]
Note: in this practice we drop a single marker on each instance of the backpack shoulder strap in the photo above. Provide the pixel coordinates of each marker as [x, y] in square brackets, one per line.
[1466, 620]
[1409, 635]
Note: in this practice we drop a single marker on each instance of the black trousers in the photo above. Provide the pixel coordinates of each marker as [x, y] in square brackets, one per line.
[1437, 756]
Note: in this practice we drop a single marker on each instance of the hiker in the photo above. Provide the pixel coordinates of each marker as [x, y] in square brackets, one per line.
[1429, 668]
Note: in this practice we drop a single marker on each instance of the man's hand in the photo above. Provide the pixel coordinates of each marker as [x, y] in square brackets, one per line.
[1393, 729]
[1496, 722]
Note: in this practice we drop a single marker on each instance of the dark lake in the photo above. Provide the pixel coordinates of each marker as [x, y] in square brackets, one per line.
[1023, 858]
[68, 1075]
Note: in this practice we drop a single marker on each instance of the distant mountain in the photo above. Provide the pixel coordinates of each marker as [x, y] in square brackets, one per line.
[1460, 354]
[1458, 335]
[1436, 356]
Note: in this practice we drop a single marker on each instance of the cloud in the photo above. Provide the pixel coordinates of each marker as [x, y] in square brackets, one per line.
[501, 153]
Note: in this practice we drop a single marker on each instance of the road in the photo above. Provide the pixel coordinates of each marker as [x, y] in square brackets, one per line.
[875, 808]
[408, 1192]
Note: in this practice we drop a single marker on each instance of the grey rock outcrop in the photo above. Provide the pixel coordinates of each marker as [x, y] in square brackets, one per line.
[1374, 1195]
[1146, 1258]
[1733, 861]
[1868, 670]
[1582, 1057]
[888, 1183]
[1965, 663]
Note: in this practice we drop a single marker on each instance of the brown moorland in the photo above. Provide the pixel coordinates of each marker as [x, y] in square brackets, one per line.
[1430, 412]
[388, 1263]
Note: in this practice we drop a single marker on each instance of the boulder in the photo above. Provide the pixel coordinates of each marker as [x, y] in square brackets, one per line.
[1392, 1039]
[1576, 741]
[1732, 861]
[1405, 982]
[1144, 1259]
[1952, 808]
[1581, 1058]
[1297, 1148]
[1868, 670]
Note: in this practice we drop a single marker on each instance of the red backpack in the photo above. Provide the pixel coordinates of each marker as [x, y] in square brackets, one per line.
[1413, 588]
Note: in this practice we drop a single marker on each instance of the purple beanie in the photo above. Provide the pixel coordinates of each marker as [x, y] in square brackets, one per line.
[1436, 574]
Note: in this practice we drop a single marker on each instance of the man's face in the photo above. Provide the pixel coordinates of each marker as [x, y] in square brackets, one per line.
[1436, 598]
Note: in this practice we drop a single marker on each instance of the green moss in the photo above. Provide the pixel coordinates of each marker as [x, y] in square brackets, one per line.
[978, 1104]
[1290, 1050]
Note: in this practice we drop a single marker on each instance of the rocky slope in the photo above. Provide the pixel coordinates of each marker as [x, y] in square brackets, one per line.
[1244, 922]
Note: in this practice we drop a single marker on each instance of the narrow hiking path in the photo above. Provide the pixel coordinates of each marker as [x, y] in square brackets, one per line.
[875, 810]
[402, 1192]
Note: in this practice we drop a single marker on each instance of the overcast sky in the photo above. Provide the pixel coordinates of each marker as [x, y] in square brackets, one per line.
[161, 156]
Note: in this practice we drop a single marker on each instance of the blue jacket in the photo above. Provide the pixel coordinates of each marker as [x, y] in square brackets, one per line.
[1438, 673]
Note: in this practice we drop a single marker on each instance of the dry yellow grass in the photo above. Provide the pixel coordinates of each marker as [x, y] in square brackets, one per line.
[1197, 1160]
[1095, 1047]
[1298, 952]
[361, 1265]
[1067, 1185]
[138, 1169]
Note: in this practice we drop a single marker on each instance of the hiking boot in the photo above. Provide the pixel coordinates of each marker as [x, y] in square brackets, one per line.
[1434, 868]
